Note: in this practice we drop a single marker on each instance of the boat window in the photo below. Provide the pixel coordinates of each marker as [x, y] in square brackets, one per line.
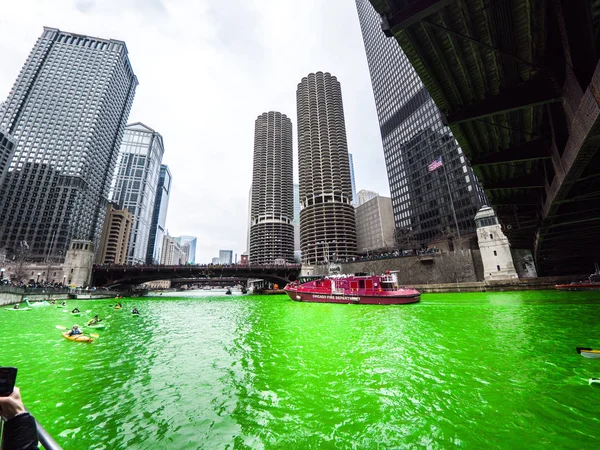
[361, 284]
[387, 286]
[369, 284]
[354, 285]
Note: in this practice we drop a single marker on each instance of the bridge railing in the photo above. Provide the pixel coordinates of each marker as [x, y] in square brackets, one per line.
[198, 266]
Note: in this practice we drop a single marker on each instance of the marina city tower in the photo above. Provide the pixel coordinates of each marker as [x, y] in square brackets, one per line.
[327, 221]
[272, 211]
[67, 113]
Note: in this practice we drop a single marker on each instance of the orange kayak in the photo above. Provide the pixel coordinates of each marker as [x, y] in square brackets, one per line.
[77, 337]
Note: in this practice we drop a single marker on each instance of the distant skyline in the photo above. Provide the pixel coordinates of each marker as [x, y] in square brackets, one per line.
[206, 68]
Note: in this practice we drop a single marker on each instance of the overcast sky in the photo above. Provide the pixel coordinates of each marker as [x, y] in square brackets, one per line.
[207, 69]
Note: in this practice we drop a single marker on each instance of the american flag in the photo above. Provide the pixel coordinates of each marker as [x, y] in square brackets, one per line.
[435, 164]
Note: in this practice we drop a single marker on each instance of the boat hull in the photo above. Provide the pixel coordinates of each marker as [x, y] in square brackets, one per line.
[78, 338]
[594, 354]
[578, 287]
[357, 299]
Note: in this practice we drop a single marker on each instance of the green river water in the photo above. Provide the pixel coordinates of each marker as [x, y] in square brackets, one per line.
[475, 371]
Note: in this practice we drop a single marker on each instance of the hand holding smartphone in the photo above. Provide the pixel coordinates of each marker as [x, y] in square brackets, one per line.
[8, 377]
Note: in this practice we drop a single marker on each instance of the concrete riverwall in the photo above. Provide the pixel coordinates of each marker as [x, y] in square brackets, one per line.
[9, 298]
[12, 296]
[520, 284]
[461, 266]
[461, 271]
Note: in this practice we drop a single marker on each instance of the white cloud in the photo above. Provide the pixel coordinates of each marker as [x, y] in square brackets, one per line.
[206, 70]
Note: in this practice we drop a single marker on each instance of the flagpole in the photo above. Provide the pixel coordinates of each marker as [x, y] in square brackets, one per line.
[451, 199]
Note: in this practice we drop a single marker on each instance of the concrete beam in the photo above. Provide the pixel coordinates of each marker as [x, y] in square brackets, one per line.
[530, 181]
[539, 90]
[528, 151]
[401, 13]
[531, 199]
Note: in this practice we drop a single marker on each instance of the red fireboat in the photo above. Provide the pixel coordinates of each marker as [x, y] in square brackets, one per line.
[592, 283]
[367, 290]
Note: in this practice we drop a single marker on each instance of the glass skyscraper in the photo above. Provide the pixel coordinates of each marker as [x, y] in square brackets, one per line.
[66, 112]
[191, 242]
[413, 137]
[225, 256]
[159, 216]
[352, 180]
[135, 184]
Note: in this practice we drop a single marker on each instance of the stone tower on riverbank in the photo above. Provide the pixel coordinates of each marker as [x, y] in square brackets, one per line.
[493, 244]
[272, 193]
[327, 221]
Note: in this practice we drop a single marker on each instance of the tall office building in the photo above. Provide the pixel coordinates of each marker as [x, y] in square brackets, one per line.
[159, 216]
[190, 242]
[249, 220]
[172, 254]
[66, 112]
[413, 137]
[375, 224]
[364, 196]
[327, 222]
[135, 184]
[272, 229]
[297, 209]
[352, 180]
[115, 236]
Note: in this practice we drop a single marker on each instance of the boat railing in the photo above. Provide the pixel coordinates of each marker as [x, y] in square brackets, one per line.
[45, 439]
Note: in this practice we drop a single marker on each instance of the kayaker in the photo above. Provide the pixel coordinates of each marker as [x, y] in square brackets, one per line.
[53, 302]
[75, 310]
[94, 321]
[19, 431]
[135, 311]
[75, 330]
[16, 306]
[63, 304]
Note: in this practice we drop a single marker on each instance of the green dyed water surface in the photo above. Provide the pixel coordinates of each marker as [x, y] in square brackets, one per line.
[479, 370]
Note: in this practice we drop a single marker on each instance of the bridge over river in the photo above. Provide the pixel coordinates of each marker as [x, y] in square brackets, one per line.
[125, 276]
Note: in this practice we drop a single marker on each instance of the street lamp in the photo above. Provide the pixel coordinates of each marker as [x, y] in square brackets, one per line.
[365, 248]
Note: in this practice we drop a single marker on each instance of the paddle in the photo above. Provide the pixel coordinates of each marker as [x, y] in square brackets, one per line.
[94, 335]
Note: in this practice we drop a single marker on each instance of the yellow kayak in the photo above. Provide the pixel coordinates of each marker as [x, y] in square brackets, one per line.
[77, 337]
[118, 307]
[588, 352]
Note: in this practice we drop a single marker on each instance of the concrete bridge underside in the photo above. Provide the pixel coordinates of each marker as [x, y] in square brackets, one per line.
[518, 83]
[123, 276]
[220, 281]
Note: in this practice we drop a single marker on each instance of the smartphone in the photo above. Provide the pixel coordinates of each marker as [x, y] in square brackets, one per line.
[8, 376]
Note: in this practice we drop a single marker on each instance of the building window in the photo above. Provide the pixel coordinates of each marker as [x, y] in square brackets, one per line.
[495, 253]
[498, 267]
[491, 236]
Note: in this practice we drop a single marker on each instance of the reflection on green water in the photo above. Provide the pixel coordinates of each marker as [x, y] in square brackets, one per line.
[477, 370]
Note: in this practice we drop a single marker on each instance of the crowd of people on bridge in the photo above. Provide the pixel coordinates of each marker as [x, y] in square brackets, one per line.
[386, 254]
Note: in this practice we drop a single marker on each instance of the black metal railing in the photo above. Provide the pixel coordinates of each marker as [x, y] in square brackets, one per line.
[46, 439]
